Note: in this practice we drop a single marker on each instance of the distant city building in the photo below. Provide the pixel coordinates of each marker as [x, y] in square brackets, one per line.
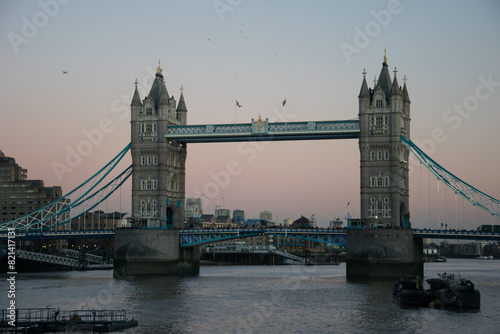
[266, 215]
[337, 223]
[287, 222]
[302, 222]
[265, 240]
[193, 207]
[207, 220]
[298, 246]
[253, 222]
[222, 212]
[313, 220]
[20, 196]
[238, 214]
[210, 221]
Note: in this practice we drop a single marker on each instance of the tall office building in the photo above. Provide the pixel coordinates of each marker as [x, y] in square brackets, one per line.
[20, 196]
[219, 212]
[266, 215]
[239, 214]
[193, 207]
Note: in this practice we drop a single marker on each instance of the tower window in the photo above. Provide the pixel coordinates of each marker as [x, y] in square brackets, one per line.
[381, 181]
[378, 103]
[379, 208]
[149, 184]
[149, 160]
[149, 111]
[379, 120]
[373, 155]
[148, 127]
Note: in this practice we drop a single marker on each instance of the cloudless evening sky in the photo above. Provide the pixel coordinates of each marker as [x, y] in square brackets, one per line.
[312, 53]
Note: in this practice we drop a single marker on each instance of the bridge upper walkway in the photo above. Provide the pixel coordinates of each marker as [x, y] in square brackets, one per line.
[263, 131]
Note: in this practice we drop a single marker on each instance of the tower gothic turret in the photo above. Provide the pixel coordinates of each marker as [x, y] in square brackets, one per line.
[384, 115]
[158, 187]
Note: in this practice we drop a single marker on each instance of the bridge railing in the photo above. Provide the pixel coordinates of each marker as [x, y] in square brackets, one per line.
[454, 232]
[208, 130]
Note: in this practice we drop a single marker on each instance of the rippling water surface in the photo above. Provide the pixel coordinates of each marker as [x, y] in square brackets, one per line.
[265, 299]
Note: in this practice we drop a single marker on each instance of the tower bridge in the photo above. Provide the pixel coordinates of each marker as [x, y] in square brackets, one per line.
[160, 135]
[157, 243]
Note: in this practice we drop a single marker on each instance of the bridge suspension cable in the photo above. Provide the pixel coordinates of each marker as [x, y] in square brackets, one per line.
[473, 195]
[59, 211]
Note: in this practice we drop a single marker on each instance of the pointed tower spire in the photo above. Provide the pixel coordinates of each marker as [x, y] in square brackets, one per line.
[384, 79]
[406, 97]
[181, 108]
[364, 92]
[395, 90]
[158, 70]
[158, 88]
[163, 95]
[136, 100]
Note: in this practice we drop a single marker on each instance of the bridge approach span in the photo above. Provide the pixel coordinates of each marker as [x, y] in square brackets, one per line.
[205, 236]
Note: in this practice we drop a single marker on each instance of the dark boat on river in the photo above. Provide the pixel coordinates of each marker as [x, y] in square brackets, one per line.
[443, 292]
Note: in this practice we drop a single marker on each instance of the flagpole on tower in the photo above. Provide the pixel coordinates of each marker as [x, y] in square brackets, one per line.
[284, 108]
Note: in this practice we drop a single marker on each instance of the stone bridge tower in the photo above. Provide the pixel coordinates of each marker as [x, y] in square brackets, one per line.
[158, 180]
[151, 246]
[385, 248]
[384, 115]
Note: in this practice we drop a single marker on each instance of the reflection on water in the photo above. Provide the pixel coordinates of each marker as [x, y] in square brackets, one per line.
[265, 299]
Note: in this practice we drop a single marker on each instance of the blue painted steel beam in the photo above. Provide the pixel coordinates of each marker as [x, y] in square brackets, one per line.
[237, 139]
[49, 235]
[452, 234]
[199, 237]
[189, 238]
[263, 130]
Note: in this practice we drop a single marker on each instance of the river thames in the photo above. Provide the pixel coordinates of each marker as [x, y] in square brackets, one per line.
[265, 299]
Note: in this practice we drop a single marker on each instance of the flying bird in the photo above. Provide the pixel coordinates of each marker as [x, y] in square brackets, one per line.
[65, 72]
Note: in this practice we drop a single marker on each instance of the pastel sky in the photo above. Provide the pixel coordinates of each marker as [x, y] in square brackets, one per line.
[257, 52]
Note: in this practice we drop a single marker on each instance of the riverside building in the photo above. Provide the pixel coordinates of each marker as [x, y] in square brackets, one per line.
[20, 196]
